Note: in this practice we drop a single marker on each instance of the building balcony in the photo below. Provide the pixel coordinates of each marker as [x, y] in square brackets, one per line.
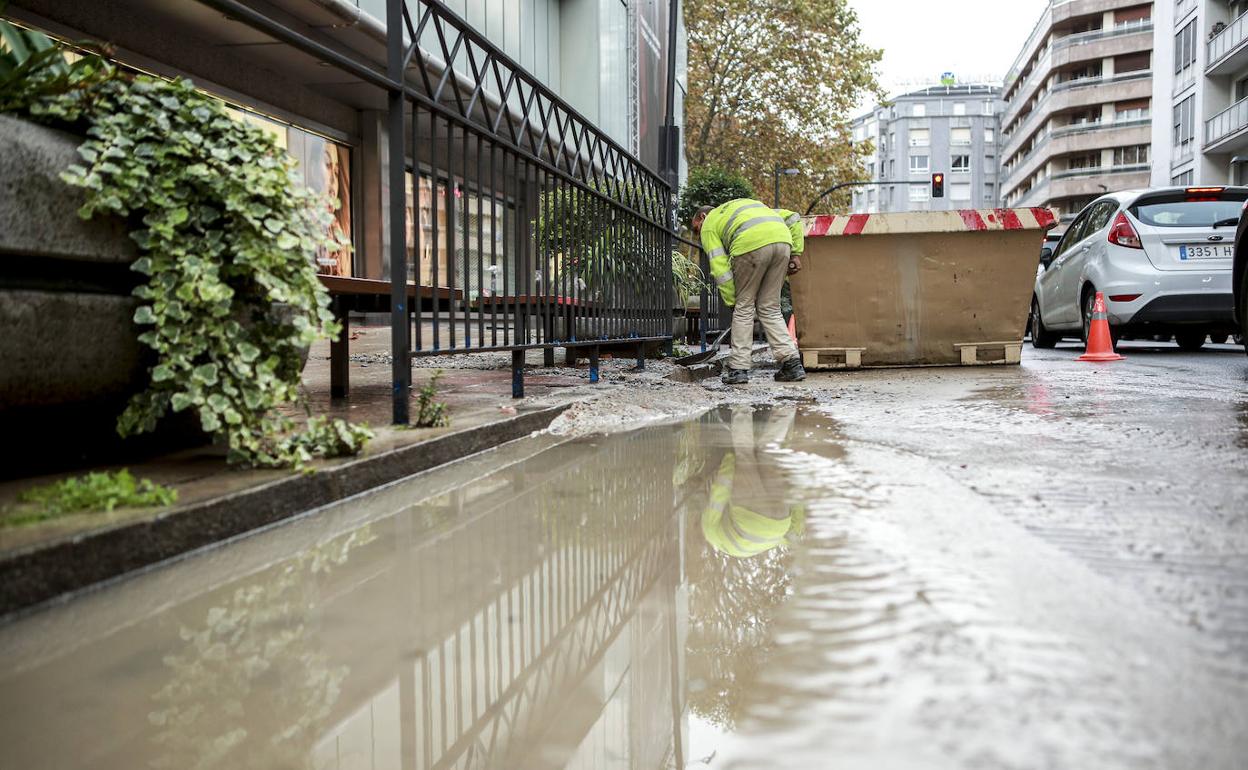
[1082, 138]
[1227, 52]
[1084, 182]
[1086, 46]
[1228, 130]
[1081, 93]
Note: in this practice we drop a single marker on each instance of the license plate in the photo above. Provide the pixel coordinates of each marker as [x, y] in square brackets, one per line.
[1222, 251]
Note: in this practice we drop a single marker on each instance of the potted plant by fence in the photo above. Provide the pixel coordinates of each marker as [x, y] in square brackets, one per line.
[222, 246]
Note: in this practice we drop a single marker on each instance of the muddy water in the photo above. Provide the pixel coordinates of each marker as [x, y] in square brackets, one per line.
[750, 589]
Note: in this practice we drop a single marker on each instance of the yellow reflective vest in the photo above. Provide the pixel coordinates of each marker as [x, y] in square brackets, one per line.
[738, 531]
[739, 227]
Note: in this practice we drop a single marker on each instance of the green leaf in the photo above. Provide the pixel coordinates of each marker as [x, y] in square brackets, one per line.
[143, 315]
[206, 374]
[248, 352]
[178, 216]
[162, 373]
[181, 401]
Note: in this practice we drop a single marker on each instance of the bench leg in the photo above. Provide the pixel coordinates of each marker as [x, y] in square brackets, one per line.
[593, 365]
[340, 353]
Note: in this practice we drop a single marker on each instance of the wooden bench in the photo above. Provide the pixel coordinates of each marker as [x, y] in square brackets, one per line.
[365, 295]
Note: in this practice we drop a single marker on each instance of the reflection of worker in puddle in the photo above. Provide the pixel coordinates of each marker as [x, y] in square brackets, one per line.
[748, 513]
[738, 573]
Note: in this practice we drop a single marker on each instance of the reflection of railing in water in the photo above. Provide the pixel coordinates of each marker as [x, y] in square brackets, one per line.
[499, 659]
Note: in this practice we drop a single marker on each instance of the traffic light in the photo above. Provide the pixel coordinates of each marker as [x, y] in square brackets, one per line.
[938, 185]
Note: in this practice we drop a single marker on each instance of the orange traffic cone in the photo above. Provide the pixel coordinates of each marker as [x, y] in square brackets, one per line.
[1100, 345]
[793, 327]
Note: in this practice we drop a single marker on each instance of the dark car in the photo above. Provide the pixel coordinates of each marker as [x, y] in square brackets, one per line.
[1239, 278]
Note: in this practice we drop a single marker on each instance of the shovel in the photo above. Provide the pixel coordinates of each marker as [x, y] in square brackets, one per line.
[711, 351]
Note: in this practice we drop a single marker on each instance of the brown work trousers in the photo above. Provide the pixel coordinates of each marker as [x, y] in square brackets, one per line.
[759, 276]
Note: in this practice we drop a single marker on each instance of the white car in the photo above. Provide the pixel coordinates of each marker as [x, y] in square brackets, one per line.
[1161, 258]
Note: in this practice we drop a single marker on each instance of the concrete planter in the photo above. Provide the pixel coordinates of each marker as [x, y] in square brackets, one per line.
[65, 304]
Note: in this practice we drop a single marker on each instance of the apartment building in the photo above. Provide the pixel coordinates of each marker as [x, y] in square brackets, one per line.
[1204, 94]
[1078, 106]
[949, 129]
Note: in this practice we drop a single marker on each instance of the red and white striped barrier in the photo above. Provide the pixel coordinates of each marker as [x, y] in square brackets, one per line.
[959, 220]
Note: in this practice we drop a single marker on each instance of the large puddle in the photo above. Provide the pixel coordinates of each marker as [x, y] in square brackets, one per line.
[750, 589]
[601, 603]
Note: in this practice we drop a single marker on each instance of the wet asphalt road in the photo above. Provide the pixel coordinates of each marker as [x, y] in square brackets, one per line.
[1034, 567]
[1052, 571]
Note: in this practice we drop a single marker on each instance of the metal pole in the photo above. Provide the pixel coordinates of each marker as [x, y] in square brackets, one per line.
[670, 162]
[775, 178]
[400, 341]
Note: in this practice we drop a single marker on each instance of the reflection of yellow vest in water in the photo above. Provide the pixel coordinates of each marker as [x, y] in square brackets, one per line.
[738, 531]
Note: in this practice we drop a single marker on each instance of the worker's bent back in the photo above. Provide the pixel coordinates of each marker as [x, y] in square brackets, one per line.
[741, 226]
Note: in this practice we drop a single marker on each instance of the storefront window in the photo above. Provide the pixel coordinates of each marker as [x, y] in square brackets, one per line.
[476, 239]
[326, 168]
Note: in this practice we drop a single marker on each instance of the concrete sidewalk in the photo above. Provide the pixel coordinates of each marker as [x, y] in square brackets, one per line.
[217, 501]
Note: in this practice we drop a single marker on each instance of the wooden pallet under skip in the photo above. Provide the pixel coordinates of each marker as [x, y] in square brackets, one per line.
[969, 354]
[985, 353]
[816, 359]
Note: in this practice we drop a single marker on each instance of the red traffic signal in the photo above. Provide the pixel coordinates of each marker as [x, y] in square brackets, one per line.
[938, 185]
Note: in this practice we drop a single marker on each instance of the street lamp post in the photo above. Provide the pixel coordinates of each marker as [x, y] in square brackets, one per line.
[775, 175]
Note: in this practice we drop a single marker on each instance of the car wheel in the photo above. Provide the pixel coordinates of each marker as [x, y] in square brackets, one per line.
[1242, 337]
[1219, 339]
[1190, 341]
[1040, 336]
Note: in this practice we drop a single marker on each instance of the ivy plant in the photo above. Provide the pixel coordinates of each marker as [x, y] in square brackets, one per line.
[92, 492]
[228, 238]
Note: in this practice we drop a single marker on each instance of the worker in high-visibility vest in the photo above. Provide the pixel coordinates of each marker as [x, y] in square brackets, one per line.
[748, 513]
[750, 248]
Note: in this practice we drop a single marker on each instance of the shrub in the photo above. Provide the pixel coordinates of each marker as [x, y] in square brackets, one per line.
[710, 186]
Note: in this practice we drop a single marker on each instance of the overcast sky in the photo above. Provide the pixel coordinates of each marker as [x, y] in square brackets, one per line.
[977, 40]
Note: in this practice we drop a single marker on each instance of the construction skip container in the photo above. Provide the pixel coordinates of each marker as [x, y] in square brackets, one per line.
[918, 288]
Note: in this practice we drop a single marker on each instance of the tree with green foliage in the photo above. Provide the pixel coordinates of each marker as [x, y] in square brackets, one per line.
[772, 84]
[710, 186]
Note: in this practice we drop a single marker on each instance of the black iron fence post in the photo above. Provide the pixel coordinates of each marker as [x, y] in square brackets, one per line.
[400, 341]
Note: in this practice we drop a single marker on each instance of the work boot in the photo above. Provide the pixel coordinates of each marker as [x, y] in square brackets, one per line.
[791, 370]
[735, 376]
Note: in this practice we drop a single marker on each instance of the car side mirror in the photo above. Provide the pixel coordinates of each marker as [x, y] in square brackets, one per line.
[1046, 257]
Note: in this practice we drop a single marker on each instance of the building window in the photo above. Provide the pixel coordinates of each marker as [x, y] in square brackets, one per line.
[1135, 62]
[324, 166]
[919, 164]
[1184, 179]
[960, 191]
[1184, 127]
[961, 164]
[1133, 110]
[919, 111]
[959, 108]
[920, 193]
[1185, 55]
[989, 136]
[987, 109]
[920, 137]
[892, 170]
[960, 136]
[1131, 156]
[1080, 162]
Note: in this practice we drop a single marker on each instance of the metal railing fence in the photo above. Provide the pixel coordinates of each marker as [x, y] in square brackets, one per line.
[579, 246]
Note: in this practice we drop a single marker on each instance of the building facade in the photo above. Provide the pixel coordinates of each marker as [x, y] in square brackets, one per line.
[1079, 106]
[605, 58]
[949, 129]
[1204, 89]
